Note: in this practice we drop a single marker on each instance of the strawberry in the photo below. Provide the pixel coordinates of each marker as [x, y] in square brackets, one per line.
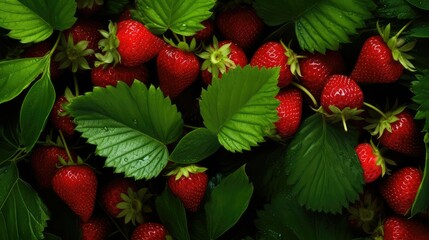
[150, 231]
[207, 32]
[76, 185]
[89, 7]
[372, 162]
[276, 54]
[219, 57]
[400, 228]
[59, 118]
[289, 112]
[241, 25]
[382, 59]
[400, 189]
[110, 75]
[95, 229]
[189, 184]
[40, 49]
[44, 162]
[178, 67]
[316, 68]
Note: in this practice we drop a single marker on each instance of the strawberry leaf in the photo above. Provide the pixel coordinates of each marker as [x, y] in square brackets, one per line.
[35, 110]
[23, 215]
[34, 20]
[131, 126]
[241, 107]
[419, 29]
[322, 166]
[420, 88]
[232, 195]
[421, 202]
[396, 9]
[195, 146]
[172, 214]
[319, 25]
[183, 17]
[17, 75]
[9, 143]
[419, 4]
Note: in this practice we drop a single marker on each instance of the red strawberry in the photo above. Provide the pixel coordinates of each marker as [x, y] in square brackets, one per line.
[178, 67]
[125, 15]
[111, 194]
[189, 184]
[276, 54]
[316, 68]
[382, 60]
[150, 231]
[76, 185]
[219, 58]
[289, 112]
[59, 118]
[95, 229]
[207, 32]
[110, 75]
[241, 25]
[41, 49]
[400, 228]
[400, 189]
[341, 91]
[371, 161]
[44, 162]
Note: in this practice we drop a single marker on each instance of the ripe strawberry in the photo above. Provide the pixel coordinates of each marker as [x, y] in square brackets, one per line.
[371, 161]
[59, 118]
[150, 231]
[207, 32]
[95, 229]
[44, 162]
[316, 68]
[110, 75]
[241, 25]
[111, 194]
[76, 185]
[400, 228]
[289, 112]
[219, 58]
[276, 54]
[382, 59]
[189, 184]
[41, 49]
[178, 67]
[400, 189]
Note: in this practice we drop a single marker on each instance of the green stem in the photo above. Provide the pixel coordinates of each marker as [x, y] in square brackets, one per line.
[375, 109]
[308, 93]
[76, 85]
[176, 37]
[344, 122]
[190, 126]
[55, 45]
[65, 145]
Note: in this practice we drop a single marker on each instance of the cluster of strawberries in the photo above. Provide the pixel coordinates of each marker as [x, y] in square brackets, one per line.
[125, 50]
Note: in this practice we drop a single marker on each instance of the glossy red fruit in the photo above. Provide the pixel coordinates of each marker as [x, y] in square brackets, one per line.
[316, 68]
[289, 112]
[76, 185]
[149, 231]
[341, 91]
[371, 161]
[206, 34]
[111, 194]
[59, 119]
[40, 49]
[103, 76]
[96, 229]
[177, 69]
[400, 228]
[241, 25]
[137, 44]
[190, 190]
[399, 190]
[44, 162]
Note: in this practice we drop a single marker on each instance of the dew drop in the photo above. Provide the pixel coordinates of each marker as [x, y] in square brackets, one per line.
[182, 27]
[135, 121]
[125, 159]
[106, 129]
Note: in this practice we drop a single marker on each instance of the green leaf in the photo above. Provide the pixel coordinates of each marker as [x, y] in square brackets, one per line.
[112, 7]
[183, 17]
[319, 24]
[34, 20]
[322, 166]
[16, 75]
[172, 214]
[35, 110]
[195, 146]
[420, 29]
[131, 126]
[399, 9]
[420, 4]
[241, 107]
[8, 176]
[9, 143]
[421, 202]
[420, 88]
[25, 215]
[227, 202]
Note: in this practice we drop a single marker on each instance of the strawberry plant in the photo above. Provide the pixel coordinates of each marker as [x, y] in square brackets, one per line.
[214, 119]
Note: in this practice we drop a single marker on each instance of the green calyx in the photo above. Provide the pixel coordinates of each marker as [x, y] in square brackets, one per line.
[398, 46]
[88, 3]
[381, 161]
[340, 115]
[216, 59]
[133, 205]
[182, 44]
[185, 171]
[365, 213]
[378, 125]
[109, 47]
[73, 55]
[293, 59]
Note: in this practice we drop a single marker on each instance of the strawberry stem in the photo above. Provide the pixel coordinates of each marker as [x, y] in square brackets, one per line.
[375, 109]
[343, 119]
[63, 140]
[76, 85]
[305, 90]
